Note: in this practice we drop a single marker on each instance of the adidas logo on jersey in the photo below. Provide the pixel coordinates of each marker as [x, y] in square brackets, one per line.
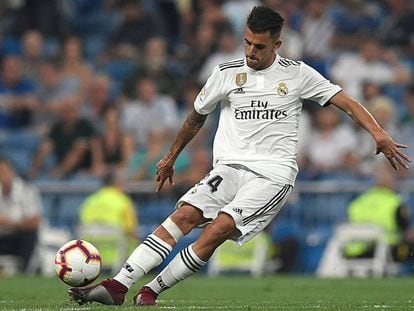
[239, 91]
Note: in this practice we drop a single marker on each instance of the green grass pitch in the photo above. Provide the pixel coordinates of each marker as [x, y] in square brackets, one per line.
[228, 293]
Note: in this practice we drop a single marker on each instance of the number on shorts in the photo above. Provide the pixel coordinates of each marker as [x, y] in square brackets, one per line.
[215, 182]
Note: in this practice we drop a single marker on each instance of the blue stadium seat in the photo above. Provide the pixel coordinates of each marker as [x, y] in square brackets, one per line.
[19, 146]
[281, 229]
[68, 211]
[311, 251]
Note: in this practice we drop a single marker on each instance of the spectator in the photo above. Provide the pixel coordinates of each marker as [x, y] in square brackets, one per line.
[143, 164]
[331, 146]
[407, 124]
[32, 53]
[383, 110]
[370, 90]
[150, 108]
[19, 215]
[70, 140]
[97, 101]
[158, 65]
[17, 98]
[74, 68]
[44, 15]
[199, 47]
[228, 48]
[317, 30]
[235, 10]
[53, 89]
[355, 20]
[396, 29]
[111, 206]
[210, 11]
[367, 65]
[381, 205]
[92, 18]
[293, 45]
[137, 25]
[113, 148]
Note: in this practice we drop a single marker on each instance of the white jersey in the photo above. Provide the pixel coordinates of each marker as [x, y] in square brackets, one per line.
[260, 112]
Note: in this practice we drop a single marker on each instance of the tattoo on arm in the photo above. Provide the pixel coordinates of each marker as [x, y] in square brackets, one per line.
[189, 129]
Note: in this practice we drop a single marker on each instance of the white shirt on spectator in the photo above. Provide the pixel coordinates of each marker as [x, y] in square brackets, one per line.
[329, 150]
[138, 118]
[351, 71]
[22, 203]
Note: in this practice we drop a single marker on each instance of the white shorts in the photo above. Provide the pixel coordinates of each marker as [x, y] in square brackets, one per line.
[250, 199]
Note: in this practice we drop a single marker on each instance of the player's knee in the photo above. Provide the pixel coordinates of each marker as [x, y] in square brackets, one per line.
[223, 226]
[187, 218]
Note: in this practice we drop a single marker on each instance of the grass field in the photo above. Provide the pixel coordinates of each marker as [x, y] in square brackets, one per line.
[228, 293]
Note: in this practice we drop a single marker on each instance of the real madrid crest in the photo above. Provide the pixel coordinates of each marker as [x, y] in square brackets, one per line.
[241, 79]
[282, 90]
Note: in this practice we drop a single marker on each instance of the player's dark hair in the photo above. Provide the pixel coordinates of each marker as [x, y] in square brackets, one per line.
[262, 19]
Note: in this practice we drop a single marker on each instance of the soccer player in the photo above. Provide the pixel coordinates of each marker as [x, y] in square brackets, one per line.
[254, 160]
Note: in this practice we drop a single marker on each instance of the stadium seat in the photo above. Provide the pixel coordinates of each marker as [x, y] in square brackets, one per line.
[49, 241]
[334, 264]
[312, 248]
[68, 211]
[19, 147]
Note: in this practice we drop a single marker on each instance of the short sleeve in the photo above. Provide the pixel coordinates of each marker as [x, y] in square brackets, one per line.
[315, 87]
[210, 94]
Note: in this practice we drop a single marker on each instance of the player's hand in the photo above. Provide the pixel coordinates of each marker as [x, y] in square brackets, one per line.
[165, 169]
[392, 152]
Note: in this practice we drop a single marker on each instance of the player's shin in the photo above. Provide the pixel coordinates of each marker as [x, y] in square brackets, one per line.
[148, 255]
[183, 265]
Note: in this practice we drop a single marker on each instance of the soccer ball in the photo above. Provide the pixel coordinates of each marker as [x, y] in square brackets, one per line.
[78, 263]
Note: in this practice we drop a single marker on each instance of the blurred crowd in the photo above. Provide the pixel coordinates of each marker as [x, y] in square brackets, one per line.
[88, 86]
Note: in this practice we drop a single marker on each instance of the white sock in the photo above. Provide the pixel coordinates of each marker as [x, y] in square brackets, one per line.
[148, 255]
[181, 267]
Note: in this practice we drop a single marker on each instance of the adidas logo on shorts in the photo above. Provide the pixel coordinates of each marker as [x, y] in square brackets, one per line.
[238, 210]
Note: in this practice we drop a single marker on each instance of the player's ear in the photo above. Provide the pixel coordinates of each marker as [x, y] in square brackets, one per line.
[278, 43]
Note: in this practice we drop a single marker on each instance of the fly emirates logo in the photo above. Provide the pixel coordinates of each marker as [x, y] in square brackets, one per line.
[258, 111]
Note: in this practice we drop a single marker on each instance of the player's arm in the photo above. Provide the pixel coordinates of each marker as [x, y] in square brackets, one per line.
[206, 101]
[385, 144]
[190, 127]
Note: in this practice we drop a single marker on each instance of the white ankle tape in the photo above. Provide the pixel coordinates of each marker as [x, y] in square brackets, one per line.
[172, 229]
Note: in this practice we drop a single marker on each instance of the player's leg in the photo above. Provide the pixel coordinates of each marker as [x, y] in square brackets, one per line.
[189, 260]
[158, 245]
[216, 190]
[148, 255]
[256, 203]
